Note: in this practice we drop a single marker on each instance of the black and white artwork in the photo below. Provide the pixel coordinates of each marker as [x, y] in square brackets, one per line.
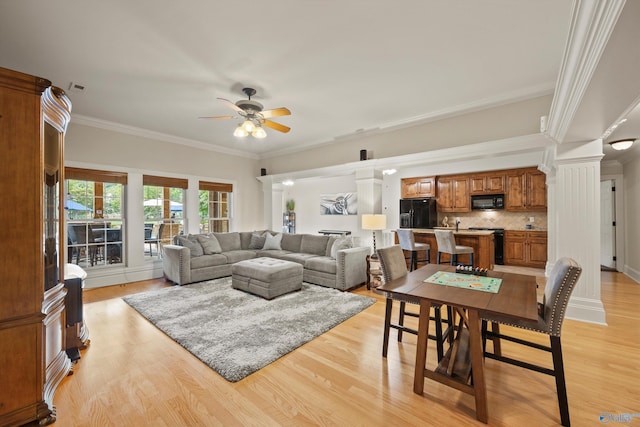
[339, 204]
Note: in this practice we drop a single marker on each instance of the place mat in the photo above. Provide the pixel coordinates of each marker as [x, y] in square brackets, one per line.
[466, 281]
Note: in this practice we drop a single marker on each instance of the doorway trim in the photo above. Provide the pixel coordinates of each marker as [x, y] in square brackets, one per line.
[620, 218]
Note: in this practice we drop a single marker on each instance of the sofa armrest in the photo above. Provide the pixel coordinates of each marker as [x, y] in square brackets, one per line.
[352, 267]
[176, 264]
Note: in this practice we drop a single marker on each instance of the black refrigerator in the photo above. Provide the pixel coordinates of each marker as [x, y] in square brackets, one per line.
[418, 213]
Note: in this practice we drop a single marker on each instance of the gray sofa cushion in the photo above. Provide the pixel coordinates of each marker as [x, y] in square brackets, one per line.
[299, 258]
[342, 243]
[330, 244]
[272, 242]
[312, 244]
[192, 243]
[208, 261]
[239, 255]
[322, 263]
[291, 242]
[245, 239]
[229, 241]
[257, 240]
[209, 243]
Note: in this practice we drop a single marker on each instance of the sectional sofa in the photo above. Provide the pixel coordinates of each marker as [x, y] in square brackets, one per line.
[329, 261]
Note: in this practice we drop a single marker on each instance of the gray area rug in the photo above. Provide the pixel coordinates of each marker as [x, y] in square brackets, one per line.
[237, 333]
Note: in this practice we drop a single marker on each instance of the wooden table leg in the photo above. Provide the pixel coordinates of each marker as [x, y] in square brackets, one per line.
[477, 366]
[421, 350]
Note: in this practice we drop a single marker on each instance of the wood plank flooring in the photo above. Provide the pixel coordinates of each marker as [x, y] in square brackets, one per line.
[134, 375]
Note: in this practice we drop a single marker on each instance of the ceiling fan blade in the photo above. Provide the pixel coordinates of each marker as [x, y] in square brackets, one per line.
[232, 105]
[276, 126]
[218, 117]
[276, 112]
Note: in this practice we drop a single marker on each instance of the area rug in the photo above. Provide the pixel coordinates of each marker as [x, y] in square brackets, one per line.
[237, 333]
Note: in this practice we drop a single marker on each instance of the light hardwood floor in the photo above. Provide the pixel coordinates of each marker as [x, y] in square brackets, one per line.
[133, 375]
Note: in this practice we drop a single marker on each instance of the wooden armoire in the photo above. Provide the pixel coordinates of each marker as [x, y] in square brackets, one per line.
[33, 120]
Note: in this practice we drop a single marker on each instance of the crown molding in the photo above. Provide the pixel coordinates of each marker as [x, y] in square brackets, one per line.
[145, 133]
[592, 23]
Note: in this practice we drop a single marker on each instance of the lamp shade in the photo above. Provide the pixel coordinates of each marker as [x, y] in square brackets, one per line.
[374, 222]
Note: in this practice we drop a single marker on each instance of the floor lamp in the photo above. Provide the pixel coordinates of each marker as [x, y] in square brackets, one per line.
[374, 222]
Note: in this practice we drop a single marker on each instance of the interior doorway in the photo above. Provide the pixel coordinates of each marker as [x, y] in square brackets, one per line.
[608, 225]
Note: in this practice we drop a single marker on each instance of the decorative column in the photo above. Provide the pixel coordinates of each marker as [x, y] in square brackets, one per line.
[273, 204]
[574, 223]
[369, 187]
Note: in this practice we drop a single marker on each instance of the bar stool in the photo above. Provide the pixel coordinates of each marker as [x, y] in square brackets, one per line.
[447, 244]
[408, 243]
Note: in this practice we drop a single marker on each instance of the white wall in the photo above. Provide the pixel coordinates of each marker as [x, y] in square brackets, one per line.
[99, 148]
[632, 224]
[306, 193]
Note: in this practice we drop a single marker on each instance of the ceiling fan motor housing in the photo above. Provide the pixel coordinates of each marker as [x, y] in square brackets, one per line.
[250, 106]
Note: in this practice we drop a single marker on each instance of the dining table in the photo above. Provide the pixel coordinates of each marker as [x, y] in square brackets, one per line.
[469, 295]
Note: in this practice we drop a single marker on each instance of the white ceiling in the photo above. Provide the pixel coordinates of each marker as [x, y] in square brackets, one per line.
[340, 66]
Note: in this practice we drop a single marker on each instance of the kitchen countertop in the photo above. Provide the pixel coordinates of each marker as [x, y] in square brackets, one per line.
[461, 232]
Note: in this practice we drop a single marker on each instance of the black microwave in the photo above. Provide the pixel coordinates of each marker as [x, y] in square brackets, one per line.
[491, 201]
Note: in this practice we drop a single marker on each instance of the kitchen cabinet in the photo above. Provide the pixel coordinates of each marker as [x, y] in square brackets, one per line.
[526, 190]
[453, 194]
[487, 183]
[418, 187]
[525, 248]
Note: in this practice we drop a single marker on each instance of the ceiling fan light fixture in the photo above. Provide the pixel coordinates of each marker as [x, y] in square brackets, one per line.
[249, 126]
[622, 144]
[259, 133]
[240, 132]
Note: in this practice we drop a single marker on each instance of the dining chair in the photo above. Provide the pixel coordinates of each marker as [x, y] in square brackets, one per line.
[447, 244]
[394, 266]
[551, 311]
[407, 241]
[81, 236]
[155, 238]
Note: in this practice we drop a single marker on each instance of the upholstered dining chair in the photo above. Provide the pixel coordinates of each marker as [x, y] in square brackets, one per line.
[551, 311]
[394, 266]
[447, 244]
[407, 242]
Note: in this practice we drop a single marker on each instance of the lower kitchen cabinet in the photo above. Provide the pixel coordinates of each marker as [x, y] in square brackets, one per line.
[526, 248]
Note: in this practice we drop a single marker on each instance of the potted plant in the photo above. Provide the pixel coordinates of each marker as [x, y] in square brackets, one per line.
[291, 205]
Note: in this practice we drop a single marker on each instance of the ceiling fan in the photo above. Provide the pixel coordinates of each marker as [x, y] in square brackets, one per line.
[254, 116]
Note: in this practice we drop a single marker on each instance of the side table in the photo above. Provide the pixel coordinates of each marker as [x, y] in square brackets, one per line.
[374, 272]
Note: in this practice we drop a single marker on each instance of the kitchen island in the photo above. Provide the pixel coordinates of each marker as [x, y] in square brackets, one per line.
[481, 241]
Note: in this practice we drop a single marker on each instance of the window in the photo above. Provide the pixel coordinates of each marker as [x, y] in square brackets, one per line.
[94, 217]
[215, 200]
[163, 212]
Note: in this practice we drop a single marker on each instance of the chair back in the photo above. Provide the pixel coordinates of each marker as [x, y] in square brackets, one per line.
[560, 284]
[407, 239]
[392, 262]
[446, 241]
[80, 234]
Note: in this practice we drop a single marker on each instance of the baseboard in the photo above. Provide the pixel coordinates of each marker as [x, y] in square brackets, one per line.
[586, 310]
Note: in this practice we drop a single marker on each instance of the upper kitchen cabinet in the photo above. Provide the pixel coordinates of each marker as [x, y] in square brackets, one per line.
[526, 190]
[415, 188]
[487, 183]
[453, 194]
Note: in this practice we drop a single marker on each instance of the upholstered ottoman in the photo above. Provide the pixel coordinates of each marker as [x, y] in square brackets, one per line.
[266, 277]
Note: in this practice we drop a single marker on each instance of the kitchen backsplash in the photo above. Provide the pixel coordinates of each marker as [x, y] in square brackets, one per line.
[496, 219]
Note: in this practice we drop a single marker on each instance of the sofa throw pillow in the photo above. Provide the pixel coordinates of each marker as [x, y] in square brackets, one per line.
[272, 242]
[257, 240]
[194, 246]
[209, 243]
[342, 243]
